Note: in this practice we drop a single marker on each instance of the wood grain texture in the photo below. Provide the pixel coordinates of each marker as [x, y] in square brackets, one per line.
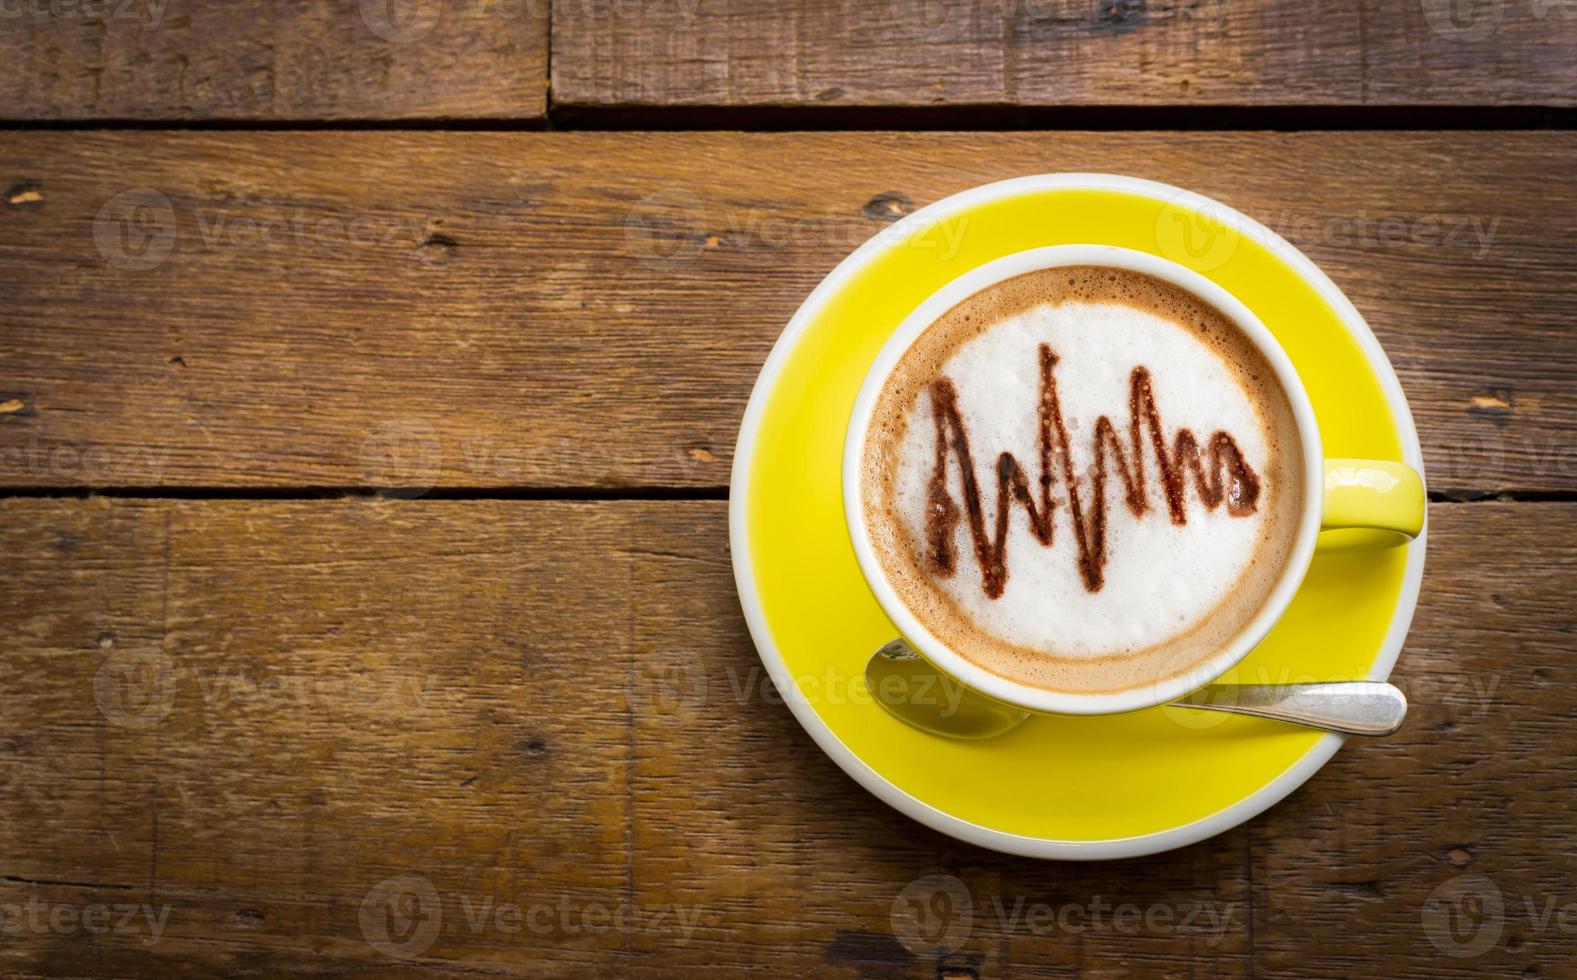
[1062, 52]
[263, 720]
[571, 310]
[272, 59]
[1395, 855]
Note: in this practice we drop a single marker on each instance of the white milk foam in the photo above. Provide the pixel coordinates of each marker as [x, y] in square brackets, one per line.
[1169, 595]
[1160, 579]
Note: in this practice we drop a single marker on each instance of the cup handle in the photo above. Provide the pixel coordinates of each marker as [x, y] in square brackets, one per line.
[1370, 504]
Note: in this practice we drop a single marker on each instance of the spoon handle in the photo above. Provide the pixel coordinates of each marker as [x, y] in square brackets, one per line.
[1349, 707]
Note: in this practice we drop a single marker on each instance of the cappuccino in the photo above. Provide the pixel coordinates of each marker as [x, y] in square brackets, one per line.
[1083, 479]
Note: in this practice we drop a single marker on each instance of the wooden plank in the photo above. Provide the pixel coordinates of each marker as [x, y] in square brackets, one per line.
[737, 809]
[1061, 53]
[268, 722]
[1334, 881]
[366, 690]
[289, 60]
[1403, 849]
[554, 309]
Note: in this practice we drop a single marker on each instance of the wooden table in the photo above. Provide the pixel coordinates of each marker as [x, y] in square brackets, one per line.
[266, 264]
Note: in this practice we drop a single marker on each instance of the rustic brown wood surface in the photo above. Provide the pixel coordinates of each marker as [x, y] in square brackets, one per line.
[402, 59]
[253, 726]
[1063, 52]
[284, 60]
[567, 310]
[254, 722]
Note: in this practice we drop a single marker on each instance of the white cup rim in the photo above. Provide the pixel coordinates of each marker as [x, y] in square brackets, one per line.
[1064, 702]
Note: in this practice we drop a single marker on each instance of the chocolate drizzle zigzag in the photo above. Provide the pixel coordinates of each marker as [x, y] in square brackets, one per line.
[1219, 474]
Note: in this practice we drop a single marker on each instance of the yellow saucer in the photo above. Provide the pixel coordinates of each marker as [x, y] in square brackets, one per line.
[1063, 787]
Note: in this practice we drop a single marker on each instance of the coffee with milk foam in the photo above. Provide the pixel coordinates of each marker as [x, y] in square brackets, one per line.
[1083, 479]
